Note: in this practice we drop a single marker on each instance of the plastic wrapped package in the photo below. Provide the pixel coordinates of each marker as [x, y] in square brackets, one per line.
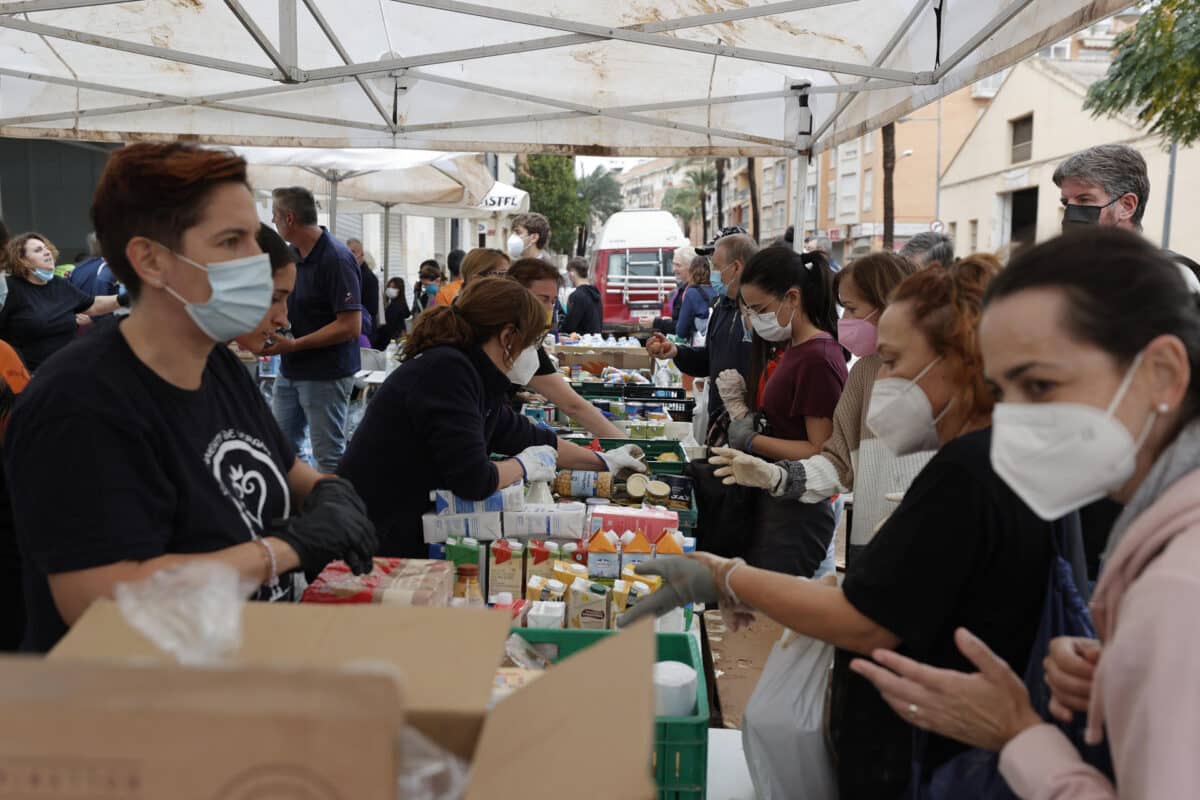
[510, 498]
[194, 613]
[393, 581]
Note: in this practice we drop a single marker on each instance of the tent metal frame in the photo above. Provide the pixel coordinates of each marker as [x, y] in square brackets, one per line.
[286, 75]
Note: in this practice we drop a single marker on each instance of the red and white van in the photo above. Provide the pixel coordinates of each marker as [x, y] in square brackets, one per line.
[631, 263]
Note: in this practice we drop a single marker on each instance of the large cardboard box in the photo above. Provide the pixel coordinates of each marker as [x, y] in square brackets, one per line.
[446, 658]
[619, 357]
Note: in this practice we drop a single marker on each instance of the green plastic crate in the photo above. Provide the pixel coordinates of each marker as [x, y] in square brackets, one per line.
[680, 757]
[589, 390]
[653, 448]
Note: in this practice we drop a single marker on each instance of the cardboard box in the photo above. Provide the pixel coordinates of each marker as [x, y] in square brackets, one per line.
[265, 717]
[619, 357]
[484, 526]
[557, 520]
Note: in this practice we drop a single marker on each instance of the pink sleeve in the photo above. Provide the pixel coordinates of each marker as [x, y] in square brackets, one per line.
[1151, 692]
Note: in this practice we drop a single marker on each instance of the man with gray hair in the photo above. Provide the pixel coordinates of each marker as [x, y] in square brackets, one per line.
[822, 245]
[725, 346]
[681, 265]
[926, 247]
[319, 361]
[1109, 185]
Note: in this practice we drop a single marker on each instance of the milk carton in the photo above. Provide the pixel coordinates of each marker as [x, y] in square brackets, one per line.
[604, 559]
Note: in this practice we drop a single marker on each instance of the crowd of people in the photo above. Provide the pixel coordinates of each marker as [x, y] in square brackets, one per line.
[1012, 434]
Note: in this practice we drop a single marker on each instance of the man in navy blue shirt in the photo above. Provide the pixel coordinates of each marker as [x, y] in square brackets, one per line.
[93, 276]
[321, 357]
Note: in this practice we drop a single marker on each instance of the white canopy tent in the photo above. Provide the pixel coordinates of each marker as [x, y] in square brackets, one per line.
[400, 181]
[625, 77]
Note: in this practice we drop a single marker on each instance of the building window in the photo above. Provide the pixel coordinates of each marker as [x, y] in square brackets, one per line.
[1022, 139]
[973, 236]
[810, 202]
[780, 174]
[869, 144]
[1060, 51]
[953, 231]
[780, 215]
[848, 194]
[832, 198]
[987, 87]
[868, 189]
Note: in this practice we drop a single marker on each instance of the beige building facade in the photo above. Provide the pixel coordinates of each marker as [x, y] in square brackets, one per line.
[998, 190]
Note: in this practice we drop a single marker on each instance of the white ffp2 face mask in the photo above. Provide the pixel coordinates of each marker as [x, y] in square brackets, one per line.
[516, 246]
[901, 415]
[524, 366]
[1058, 457]
[241, 295]
[767, 326]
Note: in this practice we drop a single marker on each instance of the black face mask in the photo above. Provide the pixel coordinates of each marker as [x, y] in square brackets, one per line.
[1083, 215]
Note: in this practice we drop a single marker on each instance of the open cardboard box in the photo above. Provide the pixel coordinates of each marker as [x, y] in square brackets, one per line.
[619, 357]
[339, 728]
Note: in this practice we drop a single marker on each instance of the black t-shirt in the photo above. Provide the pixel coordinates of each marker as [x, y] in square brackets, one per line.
[545, 365]
[961, 549]
[40, 320]
[148, 468]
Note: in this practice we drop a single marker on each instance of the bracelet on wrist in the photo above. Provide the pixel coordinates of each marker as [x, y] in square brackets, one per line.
[733, 565]
[272, 563]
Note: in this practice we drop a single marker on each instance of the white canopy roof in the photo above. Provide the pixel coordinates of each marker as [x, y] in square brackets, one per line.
[623, 77]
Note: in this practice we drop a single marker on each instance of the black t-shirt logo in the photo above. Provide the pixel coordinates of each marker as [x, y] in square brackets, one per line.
[250, 478]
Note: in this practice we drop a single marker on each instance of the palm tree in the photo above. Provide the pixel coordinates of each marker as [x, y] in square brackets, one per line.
[701, 181]
[601, 197]
[684, 203]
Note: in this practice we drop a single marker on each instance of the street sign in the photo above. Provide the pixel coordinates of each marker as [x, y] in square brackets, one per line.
[937, 226]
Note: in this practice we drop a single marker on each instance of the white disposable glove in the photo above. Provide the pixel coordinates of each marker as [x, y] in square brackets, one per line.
[734, 466]
[539, 462]
[628, 456]
[732, 388]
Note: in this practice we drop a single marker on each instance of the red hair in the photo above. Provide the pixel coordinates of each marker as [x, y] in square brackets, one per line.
[157, 191]
[947, 303]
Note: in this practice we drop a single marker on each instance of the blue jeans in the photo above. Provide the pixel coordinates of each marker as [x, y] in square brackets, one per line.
[320, 406]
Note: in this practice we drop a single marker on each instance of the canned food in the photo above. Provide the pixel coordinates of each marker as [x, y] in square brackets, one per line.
[617, 409]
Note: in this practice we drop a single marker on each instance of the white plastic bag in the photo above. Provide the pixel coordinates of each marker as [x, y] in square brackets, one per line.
[782, 728]
[700, 411]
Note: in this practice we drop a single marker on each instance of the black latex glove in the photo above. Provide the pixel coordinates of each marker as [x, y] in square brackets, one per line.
[334, 524]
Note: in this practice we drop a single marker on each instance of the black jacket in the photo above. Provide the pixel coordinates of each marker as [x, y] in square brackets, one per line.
[370, 293]
[585, 313]
[432, 425]
[723, 349]
[393, 323]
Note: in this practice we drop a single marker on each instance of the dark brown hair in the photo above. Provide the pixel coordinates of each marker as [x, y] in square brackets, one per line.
[876, 276]
[16, 252]
[527, 270]
[579, 266]
[279, 251]
[700, 272]
[481, 260]
[481, 310]
[157, 191]
[947, 302]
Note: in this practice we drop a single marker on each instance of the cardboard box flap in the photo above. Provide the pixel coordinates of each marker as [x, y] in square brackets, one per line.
[447, 657]
[588, 721]
[243, 692]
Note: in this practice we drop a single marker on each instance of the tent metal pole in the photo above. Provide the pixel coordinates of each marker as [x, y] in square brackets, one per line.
[883, 56]
[33, 6]
[986, 32]
[98, 87]
[344, 55]
[552, 42]
[334, 178]
[387, 240]
[798, 210]
[658, 40]
[289, 49]
[167, 54]
[260, 38]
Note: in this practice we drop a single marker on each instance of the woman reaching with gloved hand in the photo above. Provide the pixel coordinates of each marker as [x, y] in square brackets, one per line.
[960, 549]
[168, 448]
[438, 417]
[852, 458]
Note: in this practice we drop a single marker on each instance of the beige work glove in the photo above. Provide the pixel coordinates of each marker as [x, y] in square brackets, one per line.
[734, 466]
[732, 388]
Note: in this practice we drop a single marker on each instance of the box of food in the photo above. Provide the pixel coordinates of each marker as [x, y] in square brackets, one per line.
[652, 522]
[510, 498]
[555, 520]
[485, 526]
[393, 581]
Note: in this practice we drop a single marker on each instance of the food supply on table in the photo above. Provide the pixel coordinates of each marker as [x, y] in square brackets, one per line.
[579, 483]
[467, 588]
[391, 581]
[604, 557]
[510, 498]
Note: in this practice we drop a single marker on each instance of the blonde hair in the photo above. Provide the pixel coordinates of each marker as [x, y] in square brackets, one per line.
[481, 260]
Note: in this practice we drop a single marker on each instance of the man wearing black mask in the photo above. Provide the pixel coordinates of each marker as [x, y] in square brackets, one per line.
[1109, 185]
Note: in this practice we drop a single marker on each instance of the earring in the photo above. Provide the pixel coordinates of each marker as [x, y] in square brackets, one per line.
[1163, 408]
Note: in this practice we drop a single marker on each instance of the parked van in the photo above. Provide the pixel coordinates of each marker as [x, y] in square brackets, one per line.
[631, 263]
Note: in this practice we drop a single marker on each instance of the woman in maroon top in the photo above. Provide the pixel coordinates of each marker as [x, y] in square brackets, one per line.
[797, 371]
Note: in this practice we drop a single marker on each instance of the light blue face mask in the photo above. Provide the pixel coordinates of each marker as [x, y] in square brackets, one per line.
[241, 296]
[44, 274]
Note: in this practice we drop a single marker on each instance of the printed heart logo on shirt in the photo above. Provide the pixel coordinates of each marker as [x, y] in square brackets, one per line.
[248, 475]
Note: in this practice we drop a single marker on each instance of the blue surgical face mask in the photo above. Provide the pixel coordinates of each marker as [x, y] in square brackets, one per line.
[717, 284]
[241, 296]
[431, 289]
[44, 274]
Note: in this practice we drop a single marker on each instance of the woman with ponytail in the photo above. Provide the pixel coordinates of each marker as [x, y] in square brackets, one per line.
[438, 417]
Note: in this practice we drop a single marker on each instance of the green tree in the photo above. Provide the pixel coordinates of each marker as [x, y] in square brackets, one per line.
[550, 181]
[1156, 70]
[701, 181]
[600, 194]
[683, 202]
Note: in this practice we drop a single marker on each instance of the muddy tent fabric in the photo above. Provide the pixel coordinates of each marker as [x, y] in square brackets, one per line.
[625, 77]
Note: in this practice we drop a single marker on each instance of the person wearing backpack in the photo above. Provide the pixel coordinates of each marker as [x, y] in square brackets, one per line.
[961, 548]
[1093, 343]
[696, 307]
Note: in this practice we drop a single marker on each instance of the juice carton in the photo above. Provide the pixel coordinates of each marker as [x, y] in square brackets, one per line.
[604, 560]
[534, 588]
[541, 589]
[620, 601]
[588, 605]
[546, 614]
[576, 551]
[567, 572]
[539, 558]
[671, 544]
[506, 567]
[634, 547]
[653, 582]
[638, 591]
